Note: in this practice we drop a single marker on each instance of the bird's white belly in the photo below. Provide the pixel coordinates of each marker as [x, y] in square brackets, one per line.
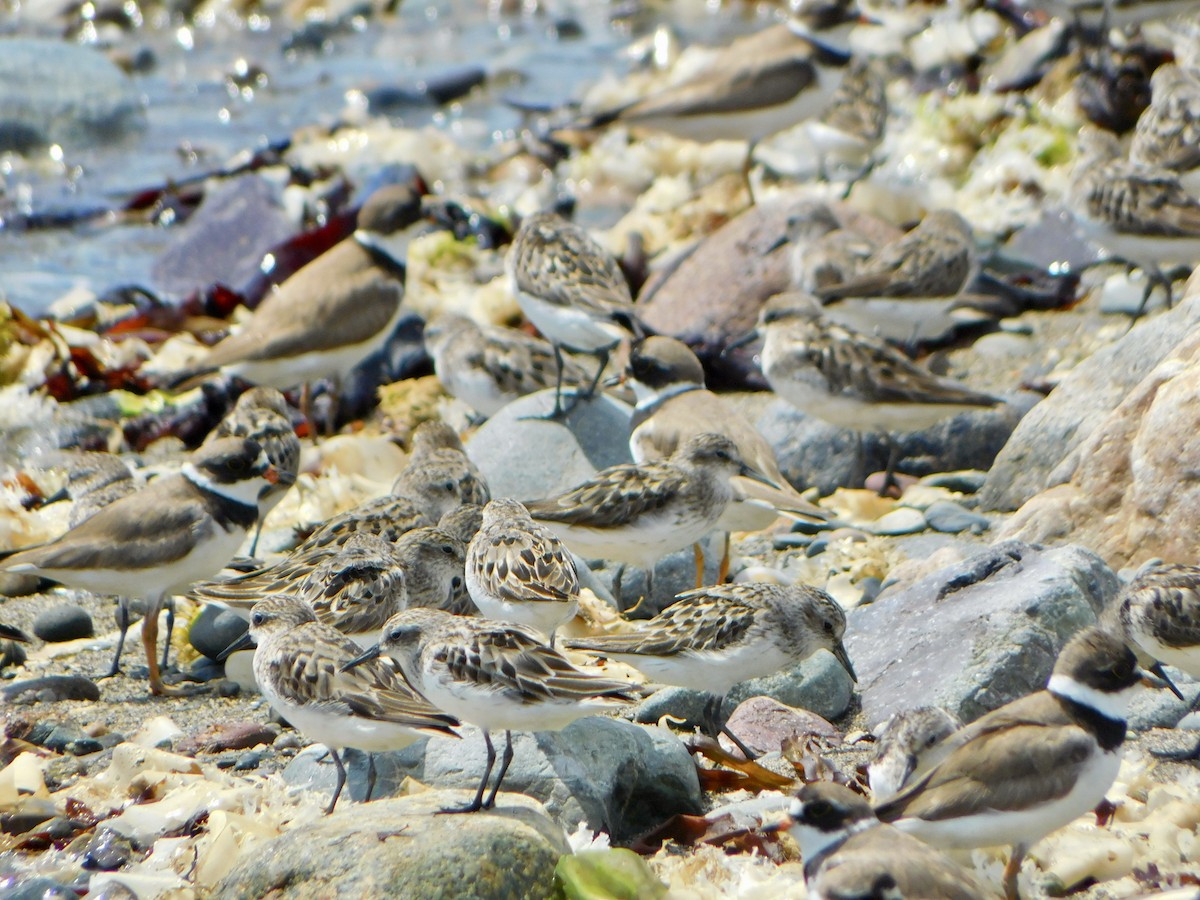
[1186, 659]
[994, 828]
[478, 390]
[203, 561]
[714, 672]
[490, 710]
[569, 327]
[641, 544]
[544, 615]
[335, 730]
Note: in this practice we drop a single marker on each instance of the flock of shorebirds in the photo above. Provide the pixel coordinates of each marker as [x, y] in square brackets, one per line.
[437, 605]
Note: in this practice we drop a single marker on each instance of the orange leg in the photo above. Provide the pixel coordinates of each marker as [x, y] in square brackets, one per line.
[698, 552]
[723, 571]
[1011, 871]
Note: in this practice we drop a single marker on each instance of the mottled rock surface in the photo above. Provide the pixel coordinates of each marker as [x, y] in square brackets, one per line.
[1048, 447]
[399, 848]
[54, 92]
[976, 634]
[614, 775]
[1132, 493]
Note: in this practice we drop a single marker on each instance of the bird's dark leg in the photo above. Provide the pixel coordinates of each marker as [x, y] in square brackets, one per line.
[123, 627]
[341, 781]
[170, 630]
[254, 543]
[558, 413]
[591, 391]
[370, 777]
[477, 803]
[505, 760]
[617, 579]
[858, 474]
[889, 474]
[714, 724]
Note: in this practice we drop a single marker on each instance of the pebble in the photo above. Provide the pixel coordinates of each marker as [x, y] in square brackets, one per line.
[63, 623]
[214, 629]
[51, 689]
[12, 654]
[249, 760]
[107, 851]
[899, 521]
[763, 724]
[967, 481]
[288, 740]
[949, 517]
[31, 813]
[41, 889]
[228, 736]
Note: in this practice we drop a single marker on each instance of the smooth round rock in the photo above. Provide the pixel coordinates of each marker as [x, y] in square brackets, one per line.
[948, 517]
[55, 92]
[214, 629]
[63, 623]
[899, 521]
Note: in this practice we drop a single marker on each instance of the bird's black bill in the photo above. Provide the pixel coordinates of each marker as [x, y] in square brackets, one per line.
[742, 341]
[245, 642]
[369, 655]
[1167, 683]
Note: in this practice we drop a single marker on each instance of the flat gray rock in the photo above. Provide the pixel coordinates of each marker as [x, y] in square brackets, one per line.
[1042, 450]
[55, 92]
[225, 238]
[400, 848]
[813, 452]
[614, 775]
[976, 634]
[819, 685]
[530, 458]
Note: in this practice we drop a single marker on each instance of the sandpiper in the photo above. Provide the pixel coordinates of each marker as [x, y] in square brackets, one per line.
[301, 666]
[637, 514]
[572, 290]
[908, 743]
[492, 675]
[713, 638]
[519, 571]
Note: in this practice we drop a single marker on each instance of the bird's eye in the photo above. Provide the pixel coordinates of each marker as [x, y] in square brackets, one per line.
[449, 486]
[447, 549]
[828, 627]
[237, 464]
[817, 809]
[395, 635]
[257, 619]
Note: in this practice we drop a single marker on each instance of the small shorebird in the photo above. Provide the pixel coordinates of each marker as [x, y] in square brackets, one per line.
[850, 855]
[156, 542]
[494, 676]
[437, 446]
[261, 414]
[519, 571]
[331, 314]
[936, 259]
[1158, 612]
[715, 637]
[1031, 766]
[573, 292]
[637, 514]
[909, 743]
[673, 405]
[302, 668]
[851, 380]
[754, 87]
[1167, 135]
[488, 367]
[822, 253]
[94, 480]
[1138, 216]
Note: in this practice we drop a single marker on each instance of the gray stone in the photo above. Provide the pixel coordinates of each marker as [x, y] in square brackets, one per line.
[819, 685]
[214, 629]
[530, 458]
[1043, 449]
[36, 888]
[1161, 708]
[902, 520]
[813, 452]
[976, 634]
[65, 622]
[50, 689]
[400, 848]
[225, 238]
[951, 518]
[55, 92]
[618, 777]
[674, 574]
[969, 481]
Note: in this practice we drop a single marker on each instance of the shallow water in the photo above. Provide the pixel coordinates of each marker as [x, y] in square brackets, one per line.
[196, 120]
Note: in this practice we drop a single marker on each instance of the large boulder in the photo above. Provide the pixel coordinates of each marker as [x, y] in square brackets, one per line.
[401, 848]
[616, 776]
[975, 634]
[1048, 447]
[54, 92]
[1132, 492]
